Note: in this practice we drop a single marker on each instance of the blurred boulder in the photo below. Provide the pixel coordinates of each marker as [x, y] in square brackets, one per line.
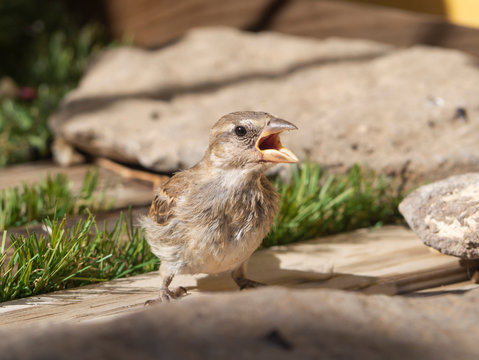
[445, 215]
[406, 112]
[269, 323]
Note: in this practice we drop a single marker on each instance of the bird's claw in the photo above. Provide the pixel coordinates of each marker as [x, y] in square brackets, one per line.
[152, 302]
[166, 295]
[177, 292]
[250, 284]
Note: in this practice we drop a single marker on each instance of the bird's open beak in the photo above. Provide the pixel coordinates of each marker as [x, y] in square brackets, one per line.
[269, 143]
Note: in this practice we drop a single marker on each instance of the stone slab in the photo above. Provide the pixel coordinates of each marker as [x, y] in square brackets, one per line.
[270, 323]
[445, 215]
[395, 110]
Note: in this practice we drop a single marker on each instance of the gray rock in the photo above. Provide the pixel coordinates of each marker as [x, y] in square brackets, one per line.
[135, 105]
[270, 323]
[445, 215]
[401, 111]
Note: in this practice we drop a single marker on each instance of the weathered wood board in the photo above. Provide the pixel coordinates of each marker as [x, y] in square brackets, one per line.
[389, 260]
[125, 192]
[153, 23]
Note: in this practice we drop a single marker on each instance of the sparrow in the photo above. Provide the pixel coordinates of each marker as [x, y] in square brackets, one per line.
[212, 217]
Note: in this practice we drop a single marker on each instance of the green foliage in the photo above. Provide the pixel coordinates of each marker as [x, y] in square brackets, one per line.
[51, 197]
[24, 133]
[70, 257]
[314, 203]
[43, 48]
[44, 43]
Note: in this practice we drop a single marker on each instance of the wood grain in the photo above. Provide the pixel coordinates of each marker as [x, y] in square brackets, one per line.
[154, 23]
[390, 260]
[125, 190]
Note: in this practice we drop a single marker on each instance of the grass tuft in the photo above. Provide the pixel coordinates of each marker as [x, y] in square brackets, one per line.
[52, 197]
[71, 257]
[316, 203]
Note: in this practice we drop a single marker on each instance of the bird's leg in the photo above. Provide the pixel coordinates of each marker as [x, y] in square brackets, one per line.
[165, 293]
[239, 277]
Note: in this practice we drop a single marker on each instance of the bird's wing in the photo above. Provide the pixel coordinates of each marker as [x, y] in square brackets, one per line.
[162, 207]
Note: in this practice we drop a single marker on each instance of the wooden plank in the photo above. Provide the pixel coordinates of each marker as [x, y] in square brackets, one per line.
[124, 191]
[32, 172]
[454, 288]
[460, 12]
[153, 23]
[389, 260]
[324, 19]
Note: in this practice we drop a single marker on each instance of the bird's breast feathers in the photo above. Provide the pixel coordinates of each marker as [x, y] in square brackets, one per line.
[215, 224]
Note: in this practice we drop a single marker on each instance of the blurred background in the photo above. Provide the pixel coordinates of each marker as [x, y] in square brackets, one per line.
[46, 47]
[152, 23]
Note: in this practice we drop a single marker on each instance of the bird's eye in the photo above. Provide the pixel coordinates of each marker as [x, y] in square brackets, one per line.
[240, 131]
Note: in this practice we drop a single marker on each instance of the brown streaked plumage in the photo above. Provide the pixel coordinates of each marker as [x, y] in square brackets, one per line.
[211, 218]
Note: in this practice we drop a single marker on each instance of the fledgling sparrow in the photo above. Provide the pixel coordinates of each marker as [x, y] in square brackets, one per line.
[213, 216]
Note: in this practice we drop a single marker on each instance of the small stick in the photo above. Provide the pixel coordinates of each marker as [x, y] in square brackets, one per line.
[126, 172]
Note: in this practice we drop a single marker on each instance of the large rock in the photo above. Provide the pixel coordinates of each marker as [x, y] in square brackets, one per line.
[402, 111]
[270, 323]
[445, 215]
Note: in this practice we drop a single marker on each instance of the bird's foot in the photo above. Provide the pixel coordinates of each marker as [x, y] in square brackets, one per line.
[248, 284]
[166, 295]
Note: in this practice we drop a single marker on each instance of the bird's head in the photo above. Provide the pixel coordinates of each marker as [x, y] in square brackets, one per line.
[249, 139]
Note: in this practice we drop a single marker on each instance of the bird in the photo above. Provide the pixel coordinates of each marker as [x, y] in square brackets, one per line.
[211, 217]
